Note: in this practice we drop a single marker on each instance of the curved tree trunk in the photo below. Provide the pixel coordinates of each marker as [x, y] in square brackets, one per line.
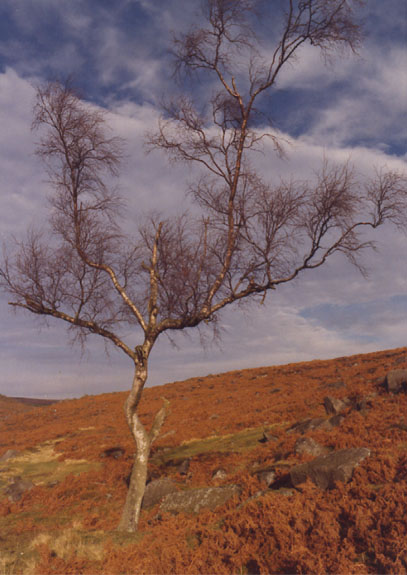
[144, 440]
[131, 511]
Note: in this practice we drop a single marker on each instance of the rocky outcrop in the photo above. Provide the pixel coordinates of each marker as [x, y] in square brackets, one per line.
[194, 500]
[325, 470]
[156, 490]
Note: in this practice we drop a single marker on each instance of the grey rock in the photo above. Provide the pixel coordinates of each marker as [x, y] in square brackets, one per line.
[309, 446]
[334, 406]
[9, 454]
[219, 474]
[396, 381]
[193, 500]
[156, 490]
[326, 469]
[266, 476]
[17, 488]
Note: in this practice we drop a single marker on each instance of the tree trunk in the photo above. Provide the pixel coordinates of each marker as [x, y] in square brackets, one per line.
[144, 440]
[131, 511]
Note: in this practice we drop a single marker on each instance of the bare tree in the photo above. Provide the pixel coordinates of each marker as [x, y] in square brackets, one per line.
[249, 237]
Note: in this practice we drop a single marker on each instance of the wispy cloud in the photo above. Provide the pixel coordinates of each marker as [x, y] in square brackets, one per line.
[354, 108]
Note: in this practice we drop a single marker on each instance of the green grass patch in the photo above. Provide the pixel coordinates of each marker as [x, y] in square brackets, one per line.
[41, 466]
[232, 443]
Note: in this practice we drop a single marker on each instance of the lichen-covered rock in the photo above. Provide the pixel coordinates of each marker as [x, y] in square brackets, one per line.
[193, 500]
[325, 470]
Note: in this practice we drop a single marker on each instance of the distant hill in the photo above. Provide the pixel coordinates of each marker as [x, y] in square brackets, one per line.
[9, 405]
[245, 430]
[34, 402]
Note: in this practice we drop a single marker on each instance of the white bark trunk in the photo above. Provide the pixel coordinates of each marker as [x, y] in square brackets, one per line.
[143, 439]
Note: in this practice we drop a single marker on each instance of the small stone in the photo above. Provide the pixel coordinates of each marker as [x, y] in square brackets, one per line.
[219, 474]
[266, 476]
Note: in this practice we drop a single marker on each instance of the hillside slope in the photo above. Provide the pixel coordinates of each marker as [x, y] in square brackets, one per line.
[76, 456]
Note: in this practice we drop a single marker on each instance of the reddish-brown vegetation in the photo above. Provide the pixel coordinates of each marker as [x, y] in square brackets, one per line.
[359, 527]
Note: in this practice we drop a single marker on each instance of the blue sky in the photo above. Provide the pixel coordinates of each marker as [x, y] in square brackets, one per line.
[117, 53]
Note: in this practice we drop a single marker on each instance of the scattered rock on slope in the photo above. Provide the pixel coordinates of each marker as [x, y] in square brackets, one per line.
[193, 500]
[326, 469]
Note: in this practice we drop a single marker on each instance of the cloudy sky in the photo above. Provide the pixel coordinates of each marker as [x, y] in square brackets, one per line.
[117, 52]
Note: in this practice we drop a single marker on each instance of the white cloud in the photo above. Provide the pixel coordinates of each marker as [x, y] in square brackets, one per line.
[275, 333]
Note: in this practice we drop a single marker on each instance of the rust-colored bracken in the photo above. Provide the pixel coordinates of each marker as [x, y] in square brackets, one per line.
[358, 527]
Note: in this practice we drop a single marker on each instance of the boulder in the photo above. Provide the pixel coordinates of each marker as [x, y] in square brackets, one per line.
[325, 470]
[334, 406]
[396, 381]
[17, 488]
[156, 490]
[193, 500]
[309, 446]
